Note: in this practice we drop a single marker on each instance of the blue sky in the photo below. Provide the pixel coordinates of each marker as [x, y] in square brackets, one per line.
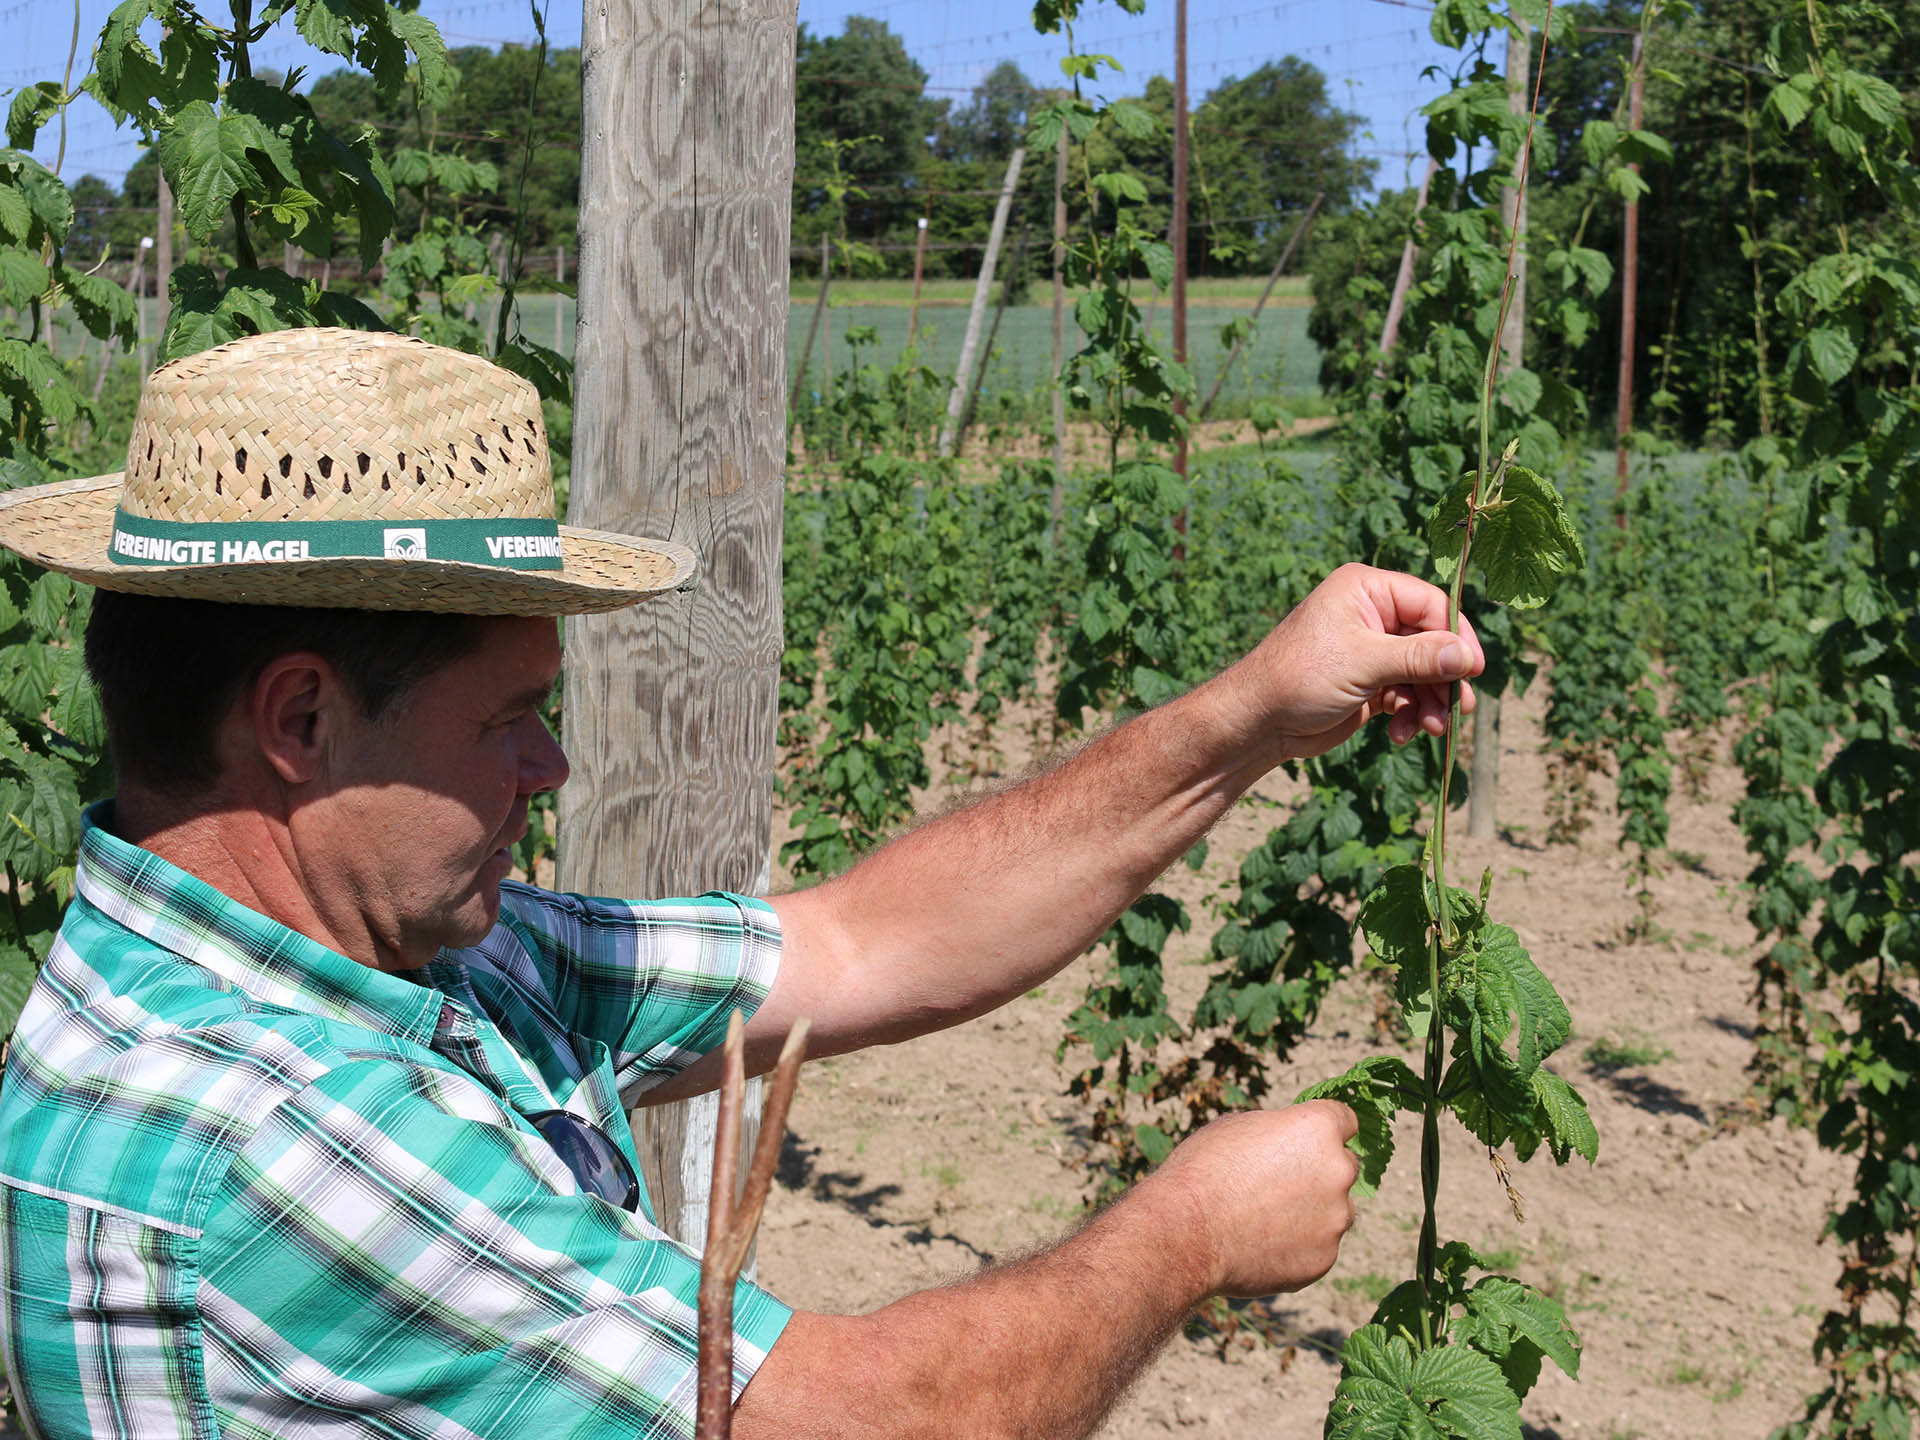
[1372, 51]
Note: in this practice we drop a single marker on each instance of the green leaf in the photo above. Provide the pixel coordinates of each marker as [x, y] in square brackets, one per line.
[40, 829]
[1387, 1391]
[1154, 1143]
[1643, 147]
[1791, 101]
[76, 712]
[17, 971]
[1597, 141]
[327, 25]
[1832, 353]
[129, 72]
[205, 156]
[102, 306]
[1563, 1119]
[32, 108]
[1133, 120]
[1395, 917]
[1120, 186]
[16, 216]
[1376, 1090]
[422, 37]
[1501, 1312]
[47, 197]
[1523, 539]
[1496, 991]
[22, 278]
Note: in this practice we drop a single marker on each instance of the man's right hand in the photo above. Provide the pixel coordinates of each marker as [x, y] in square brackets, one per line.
[1270, 1192]
[1252, 1204]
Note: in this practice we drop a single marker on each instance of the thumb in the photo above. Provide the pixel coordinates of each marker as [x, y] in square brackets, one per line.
[1433, 657]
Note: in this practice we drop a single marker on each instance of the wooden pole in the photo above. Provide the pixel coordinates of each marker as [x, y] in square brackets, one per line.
[1058, 498]
[1177, 237]
[140, 301]
[1483, 805]
[163, 257]
[919, 269]
[1403, 282]
[1629, 302]
[1007, 283]
[813, 325]
[686, 168]
[988, 263]
[1279, 268]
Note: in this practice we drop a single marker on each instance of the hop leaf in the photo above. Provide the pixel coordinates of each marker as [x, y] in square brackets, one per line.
[1515, 1325]
[1369, 1088]
[1496, 991]
[1388, 1392]
[1522, 538]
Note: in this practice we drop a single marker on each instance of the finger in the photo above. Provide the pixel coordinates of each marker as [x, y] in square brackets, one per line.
[1406, 604]
[1427, 658]
[1343, 1117]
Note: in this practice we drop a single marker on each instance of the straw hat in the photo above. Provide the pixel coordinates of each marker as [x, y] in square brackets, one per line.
[337, 468]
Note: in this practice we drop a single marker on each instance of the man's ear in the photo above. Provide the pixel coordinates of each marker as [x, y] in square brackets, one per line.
[297, 708]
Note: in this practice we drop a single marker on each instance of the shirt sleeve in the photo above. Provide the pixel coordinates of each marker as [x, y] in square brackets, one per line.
[654, 981]
[392, 1255]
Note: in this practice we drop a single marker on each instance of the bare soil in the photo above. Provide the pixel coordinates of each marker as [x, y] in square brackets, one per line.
[1689, 1257]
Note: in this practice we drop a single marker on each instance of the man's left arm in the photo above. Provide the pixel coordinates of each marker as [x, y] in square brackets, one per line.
[960, 915]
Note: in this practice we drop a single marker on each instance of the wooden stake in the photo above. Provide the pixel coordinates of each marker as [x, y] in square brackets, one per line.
[1403, 282]
[988, 264]
[993, 333]
[1177, 237]
[919, 269]
[731, 1224]
[163, 256]
[1629, 301]
[1058, 498]
[813, 325]
[1279, 268]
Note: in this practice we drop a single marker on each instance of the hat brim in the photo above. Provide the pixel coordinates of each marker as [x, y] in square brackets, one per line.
[67, 526]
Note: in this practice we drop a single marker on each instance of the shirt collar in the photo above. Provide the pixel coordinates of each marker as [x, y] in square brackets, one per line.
[270, 963]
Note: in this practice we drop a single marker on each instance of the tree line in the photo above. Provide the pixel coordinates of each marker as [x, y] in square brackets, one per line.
[875, 152]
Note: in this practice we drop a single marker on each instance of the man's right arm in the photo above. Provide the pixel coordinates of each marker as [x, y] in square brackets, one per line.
[1253, 1204]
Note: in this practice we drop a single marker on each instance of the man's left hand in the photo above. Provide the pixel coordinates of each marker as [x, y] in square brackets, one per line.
[1366, 642]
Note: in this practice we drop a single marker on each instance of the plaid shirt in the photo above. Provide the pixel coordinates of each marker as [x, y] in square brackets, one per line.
[251, 1188]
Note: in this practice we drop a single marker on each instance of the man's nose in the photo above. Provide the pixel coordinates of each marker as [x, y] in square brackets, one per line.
[543, 764]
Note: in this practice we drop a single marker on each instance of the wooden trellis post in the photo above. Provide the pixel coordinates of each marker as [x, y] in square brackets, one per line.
[680, 431]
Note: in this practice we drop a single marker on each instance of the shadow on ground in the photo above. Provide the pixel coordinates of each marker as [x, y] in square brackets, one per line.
[1656, 1097]
[798, 1170]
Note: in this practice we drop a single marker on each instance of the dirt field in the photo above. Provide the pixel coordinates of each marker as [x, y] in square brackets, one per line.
[1688, 1256]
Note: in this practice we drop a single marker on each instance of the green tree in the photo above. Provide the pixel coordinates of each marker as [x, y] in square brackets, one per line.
[859, 86]
[1264, 144]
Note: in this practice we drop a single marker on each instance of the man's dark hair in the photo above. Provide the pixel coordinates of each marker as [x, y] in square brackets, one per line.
[167, 669]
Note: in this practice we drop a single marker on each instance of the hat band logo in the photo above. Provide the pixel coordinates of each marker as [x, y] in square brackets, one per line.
[501, 544]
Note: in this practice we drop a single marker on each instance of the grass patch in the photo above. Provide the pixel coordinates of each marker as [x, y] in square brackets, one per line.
[1626, 1049]
[1372, 1286]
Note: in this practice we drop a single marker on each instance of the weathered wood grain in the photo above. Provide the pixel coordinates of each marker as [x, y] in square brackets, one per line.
[680, 416]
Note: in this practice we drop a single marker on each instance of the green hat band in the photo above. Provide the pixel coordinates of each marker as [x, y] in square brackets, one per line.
[506, 544]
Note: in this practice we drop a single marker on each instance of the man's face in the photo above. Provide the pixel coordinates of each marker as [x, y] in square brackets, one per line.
[424, 804]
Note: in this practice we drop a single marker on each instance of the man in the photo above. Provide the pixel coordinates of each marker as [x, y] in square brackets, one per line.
[312, 1125]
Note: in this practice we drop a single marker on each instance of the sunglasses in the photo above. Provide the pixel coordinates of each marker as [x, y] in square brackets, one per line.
[589, 1152]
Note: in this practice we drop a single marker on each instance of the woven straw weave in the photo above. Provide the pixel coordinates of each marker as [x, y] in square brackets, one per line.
[297, 425]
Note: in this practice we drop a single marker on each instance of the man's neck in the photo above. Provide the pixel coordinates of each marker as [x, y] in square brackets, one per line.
[249, 856]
